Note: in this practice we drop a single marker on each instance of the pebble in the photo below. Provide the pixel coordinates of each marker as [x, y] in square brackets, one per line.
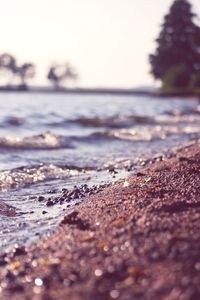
[49, 203]
[76, 193]
[114, 294]
[19, 251]
[41, 198]
[98, 272]
[73, 219]
[139, 174]
[3, 262]
[38, 282]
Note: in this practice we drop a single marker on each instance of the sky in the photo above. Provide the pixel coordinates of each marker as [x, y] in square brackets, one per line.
[107, 41]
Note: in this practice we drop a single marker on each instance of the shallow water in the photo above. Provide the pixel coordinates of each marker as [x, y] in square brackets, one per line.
[51, 141]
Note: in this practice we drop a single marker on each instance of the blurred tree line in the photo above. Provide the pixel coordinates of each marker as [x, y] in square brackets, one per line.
[20, 75]
[176, 61]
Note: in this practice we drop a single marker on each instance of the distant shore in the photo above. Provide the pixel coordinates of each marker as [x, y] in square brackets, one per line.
[138, 239]
[98, 91]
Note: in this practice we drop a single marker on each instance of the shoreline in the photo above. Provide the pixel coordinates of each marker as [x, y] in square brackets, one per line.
[138, 239]
[100, 91]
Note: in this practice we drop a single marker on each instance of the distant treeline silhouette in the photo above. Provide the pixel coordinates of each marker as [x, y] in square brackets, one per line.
[20, 75]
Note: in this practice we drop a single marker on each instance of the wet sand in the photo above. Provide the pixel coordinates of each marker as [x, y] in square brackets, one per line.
[138, 239]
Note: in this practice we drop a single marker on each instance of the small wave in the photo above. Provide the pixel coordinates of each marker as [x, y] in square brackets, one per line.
[14, 121]
[24, 176]
[106, 122]
[146, 133]
[167, 119]
[43, 141]
[118, 122]
[115, 121]
[184, 112]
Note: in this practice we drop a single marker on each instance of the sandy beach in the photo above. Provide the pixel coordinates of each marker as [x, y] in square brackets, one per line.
[100, 150]
[137, 239]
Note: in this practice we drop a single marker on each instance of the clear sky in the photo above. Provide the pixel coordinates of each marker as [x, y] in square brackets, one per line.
[108, 41]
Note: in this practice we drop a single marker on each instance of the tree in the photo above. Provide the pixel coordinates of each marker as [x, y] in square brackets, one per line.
[178, 45]
[7, 61]
[7, 66]
[60, 74]
[24, 72]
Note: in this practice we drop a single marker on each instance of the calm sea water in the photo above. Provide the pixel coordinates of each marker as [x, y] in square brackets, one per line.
[50, 141]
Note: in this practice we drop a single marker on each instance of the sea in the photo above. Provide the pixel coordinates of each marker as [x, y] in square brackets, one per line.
[51, 141]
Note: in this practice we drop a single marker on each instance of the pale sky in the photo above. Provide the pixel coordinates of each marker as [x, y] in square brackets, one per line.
[108, 41]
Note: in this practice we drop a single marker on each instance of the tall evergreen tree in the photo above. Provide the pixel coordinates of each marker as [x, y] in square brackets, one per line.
[178, 44]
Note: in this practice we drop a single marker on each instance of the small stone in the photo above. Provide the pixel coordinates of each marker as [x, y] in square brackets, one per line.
[38, 282]
[41, 198]
[53, 191]
[111, 170]
[98, 272]
[19, 251]
[72, 219]
[14, 266]
[49, 203]
[163, 167]
[3, 262]
[102, 246]
[126, 184]
[114, 294]
[197, 266]
[120, 222]
[135, 271]
[87, 237]
[139, 174]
